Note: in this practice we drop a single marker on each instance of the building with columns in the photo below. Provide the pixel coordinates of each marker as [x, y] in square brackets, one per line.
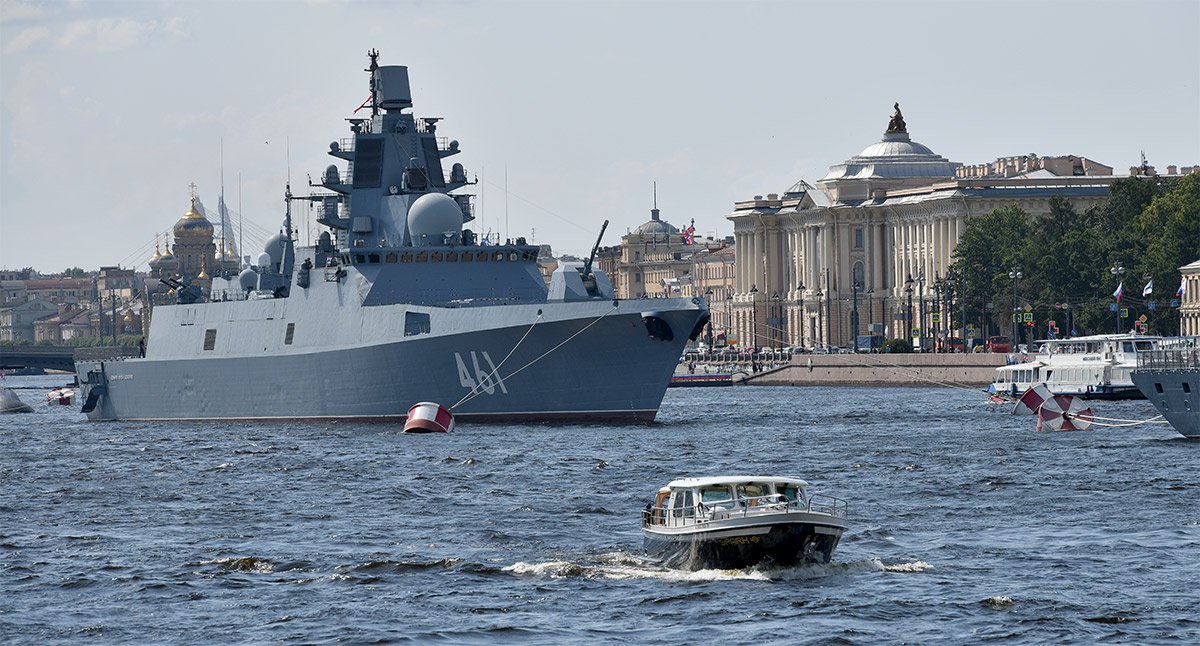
[819, 265]
[1189, 301]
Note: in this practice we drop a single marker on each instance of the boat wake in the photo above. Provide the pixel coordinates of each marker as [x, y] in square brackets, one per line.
[623, 566]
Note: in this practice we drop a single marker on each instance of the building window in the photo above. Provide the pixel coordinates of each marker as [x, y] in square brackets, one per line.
[859, 275]
[210, 339]
[858, 238]
[291, 332]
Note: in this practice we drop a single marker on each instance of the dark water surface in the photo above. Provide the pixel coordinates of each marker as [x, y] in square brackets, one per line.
[967, 526]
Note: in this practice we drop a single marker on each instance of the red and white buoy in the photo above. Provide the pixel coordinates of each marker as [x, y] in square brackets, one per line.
[429, 417]
[1064, 413]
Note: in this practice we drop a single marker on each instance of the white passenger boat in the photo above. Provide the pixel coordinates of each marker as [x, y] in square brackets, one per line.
[1093, 367]
[740, 521]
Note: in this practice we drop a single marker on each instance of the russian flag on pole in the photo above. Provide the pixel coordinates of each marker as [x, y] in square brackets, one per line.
[1120, 290]
[1148, 288]
[1179, 292]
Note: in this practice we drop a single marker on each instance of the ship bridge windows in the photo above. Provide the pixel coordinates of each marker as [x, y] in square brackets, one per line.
[416, 323]
[482, 256]
[498, 256]
[406, 258]
[390, 258]
[451, 256]
[435, 256]
[373, 258]
[210, 339]
[422, 257]
[467, 257]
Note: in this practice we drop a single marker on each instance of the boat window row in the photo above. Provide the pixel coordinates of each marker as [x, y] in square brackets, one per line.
[439, 256]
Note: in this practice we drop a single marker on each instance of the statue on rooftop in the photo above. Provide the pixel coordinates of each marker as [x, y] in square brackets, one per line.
[897, 122]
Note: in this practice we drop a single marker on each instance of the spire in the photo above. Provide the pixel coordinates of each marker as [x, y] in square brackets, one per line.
[654, 208]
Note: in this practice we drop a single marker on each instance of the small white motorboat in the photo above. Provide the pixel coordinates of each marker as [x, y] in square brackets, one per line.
[61, 396]
[740, 521]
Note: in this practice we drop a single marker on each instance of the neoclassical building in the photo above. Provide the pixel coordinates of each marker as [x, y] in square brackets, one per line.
[1189, 301]
[818, 265]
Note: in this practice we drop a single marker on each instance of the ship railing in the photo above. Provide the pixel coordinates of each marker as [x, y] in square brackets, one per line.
[1169, 359]
[741, 508]
[1172, 353]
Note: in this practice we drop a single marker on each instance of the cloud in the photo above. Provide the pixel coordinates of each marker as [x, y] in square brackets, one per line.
[13, 11]
[106, 35]
[26, 39]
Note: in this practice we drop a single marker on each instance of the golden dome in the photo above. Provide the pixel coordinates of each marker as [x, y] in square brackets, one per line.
[193, 224]
[203, 275]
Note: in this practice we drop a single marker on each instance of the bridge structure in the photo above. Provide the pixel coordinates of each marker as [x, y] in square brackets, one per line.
[55, 357]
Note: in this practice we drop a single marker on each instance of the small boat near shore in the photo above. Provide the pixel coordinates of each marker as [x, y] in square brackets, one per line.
[701, 381]
[734, 522]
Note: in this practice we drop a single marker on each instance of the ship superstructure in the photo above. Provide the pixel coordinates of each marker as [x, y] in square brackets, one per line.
[396, 303]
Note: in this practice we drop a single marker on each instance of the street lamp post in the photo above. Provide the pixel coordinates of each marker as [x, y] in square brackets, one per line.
[908, 289]
[921, 308]
[854, 316]
[820, 341]
[777, 323]
[1117, 270]
[803, 317]
[754, 318]
[870, 310]
[728, 316]
[1015, 274]
[708, 301]
[937, 328]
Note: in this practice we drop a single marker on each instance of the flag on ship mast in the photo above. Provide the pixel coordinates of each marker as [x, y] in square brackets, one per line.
[1120, 290]
[1148, 288]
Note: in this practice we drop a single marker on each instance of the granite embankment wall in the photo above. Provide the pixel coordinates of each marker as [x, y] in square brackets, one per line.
[883, 369]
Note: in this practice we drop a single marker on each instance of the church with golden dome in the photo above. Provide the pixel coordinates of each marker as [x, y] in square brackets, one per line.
[191, 254]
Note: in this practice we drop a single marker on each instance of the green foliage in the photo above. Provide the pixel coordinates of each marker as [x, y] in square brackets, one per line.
[1150, 226]
[896, 345]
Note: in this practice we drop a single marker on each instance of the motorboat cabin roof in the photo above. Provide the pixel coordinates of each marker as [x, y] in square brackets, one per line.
[690, 483]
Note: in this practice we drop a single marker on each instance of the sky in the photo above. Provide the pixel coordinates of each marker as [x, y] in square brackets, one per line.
[568, 113]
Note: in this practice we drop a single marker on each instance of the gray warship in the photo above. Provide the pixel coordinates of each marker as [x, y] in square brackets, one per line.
[397, 303]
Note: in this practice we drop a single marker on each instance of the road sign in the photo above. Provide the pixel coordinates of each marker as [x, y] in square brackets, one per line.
[1028, 317]
[916, 332]
[1142, 318]
[937, 318]
[1124, 312]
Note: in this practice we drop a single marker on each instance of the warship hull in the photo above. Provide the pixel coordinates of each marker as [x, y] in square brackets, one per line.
[595, 363]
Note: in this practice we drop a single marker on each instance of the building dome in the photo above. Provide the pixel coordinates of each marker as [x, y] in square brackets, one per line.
[156, 259]
[192, 224]
[655, 226]
[895, 144]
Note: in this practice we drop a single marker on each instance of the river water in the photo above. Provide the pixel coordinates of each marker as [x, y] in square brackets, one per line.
[967, 526]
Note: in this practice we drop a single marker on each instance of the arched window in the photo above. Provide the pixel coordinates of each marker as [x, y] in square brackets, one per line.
[859, 275]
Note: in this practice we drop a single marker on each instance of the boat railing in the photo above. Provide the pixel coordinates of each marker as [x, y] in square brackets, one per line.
[741, 508]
